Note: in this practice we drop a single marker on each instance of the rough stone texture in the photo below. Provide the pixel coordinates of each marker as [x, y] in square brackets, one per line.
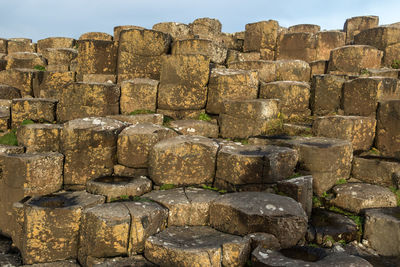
[60, 59]
[11, 149]
[139, 52]
[355, 25]
[382, 72]
[249, 212]
[244, 118]
[326, 94]
[54, 42]
[23, 60]
[53, 82]
[104, 231]
[139, 118]
[234, 55]
[99, 78]
[266, 68]
[36, 109]
[294, 96]
[215, 52]
[311, 28]
[96, 36]
[90, 148]
[195, 127]
[26, 175]
[178, 31]
[375, 170]
[20, 45]
[191, 114]
[136, 260]
[186, 206]
[196, 246]
[51, 226]
[326, 41]
[300, 189]
[351, 59]
[119, 29]
[391, 54]
[332, 225]
[327, 170]
[356, 197]
[138, 94]
[9, 92]
[227, 84]
[205, 27]
[40, 137]
[3, 45]
[305, 257]
[379, 37]
[361, 96]
[263, 239]
[26, 80]
[113, 187]
[360, 131]
[261, 35]
[66, 263]
[183, 82]
[238, 164]
[298, 45]
[79, 100]
[292, 70]
[318, 67]
[120, 170]
[183, 160]
[135, 143]
[382, 230]
[388, 128]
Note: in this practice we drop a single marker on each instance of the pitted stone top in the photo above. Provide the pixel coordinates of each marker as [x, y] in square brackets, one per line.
[95, 124]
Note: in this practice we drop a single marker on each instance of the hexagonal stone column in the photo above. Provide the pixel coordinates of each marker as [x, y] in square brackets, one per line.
[239, 165]
[9, 92]
[261, 35]
[294, 96]
[90, 148]
[36, 109]
[361, 96]
[183, 82]
[40, 137]
[292, 70]
[140, 118]
[351, 59]
[27, 175]
[135, 143]
[178, 31]
[207, 28]
[60, 59]
[53, 82]
[214, 51]
[360, 131]
[104, 232]
[388, 128]
[228, 84]
[23, 79]
[379, 37]
[250, 212]
[195, 127]
[355, 25]
[138, 94]
[266, 68]
[186, 206]
[183, 160]
[24, 60]
[79, 100]
[382, 228]
[54, 42]
[199, 245]
[51, 226]
[356, 197]
[244, 118]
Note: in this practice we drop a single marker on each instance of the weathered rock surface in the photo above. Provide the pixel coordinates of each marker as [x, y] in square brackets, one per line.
[249, 212]
[388, 128]
[196, 246]
[195, 127]
[40, 137]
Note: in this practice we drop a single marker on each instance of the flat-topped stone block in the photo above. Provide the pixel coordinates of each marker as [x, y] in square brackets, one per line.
[228, 84]
[199, 245]
[51, 226]
[205, 27]
[360, 131]
[24, 60]
[136, 141]
[113, 187]
[36, 109]
[379, 37]
[261, 35]
[79, 100]
[26, 80]
[90, 148]
[249, 212]
[178, 31]
[40, 137]
[292, 70]
[54, 42]
[153, 118]
[356, 197]
[138, 94]
[96, 36]
[52, 84]
[266, 68]
[355, 25]
[215, 52]
[388, 129]
[9, 92]
[136, 260]
[186, 206]
[195, 127]
[234, 55]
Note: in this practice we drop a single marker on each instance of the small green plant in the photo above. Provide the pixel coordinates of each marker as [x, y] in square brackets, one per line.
[9, 138]
[294, 175]
[341, 181]
[167, 186]
[327, 195]
[27, 122]
[204, 117]
[167, 120]
[359, 221]
[40, 67]
[141, 111]
[214, 189]
[396, 64]
[342, 242]
[329, 238]
[374, 151]
[397, 193]
[317, 202]
[243, 141]
[365, 72]
[313, 245]
[76, 46]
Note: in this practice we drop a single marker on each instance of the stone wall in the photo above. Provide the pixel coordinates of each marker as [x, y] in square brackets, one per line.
[182, 145]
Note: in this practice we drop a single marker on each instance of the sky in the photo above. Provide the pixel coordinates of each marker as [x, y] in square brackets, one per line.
[39, 19]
